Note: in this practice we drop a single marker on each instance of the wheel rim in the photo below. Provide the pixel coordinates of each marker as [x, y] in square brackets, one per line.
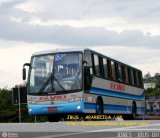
[134, 111]
[98, 108]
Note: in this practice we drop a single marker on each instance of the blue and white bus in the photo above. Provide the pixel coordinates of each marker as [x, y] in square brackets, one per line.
[80, 82]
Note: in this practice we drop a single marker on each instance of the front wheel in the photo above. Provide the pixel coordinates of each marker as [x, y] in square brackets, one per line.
[52, 118]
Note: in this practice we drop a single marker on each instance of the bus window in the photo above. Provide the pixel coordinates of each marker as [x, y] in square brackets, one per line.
[113, 70]
[112, 74]
[119, 72]
[132, 77]
[88, 57]
[125, 74]
[105, 68]
[96, 65]
[140, 79]
[135, 77]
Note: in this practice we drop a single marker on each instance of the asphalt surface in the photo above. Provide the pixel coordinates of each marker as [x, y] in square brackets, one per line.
[79, 129]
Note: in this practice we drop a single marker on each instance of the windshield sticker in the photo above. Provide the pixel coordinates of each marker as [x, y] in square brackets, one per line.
[58, 58]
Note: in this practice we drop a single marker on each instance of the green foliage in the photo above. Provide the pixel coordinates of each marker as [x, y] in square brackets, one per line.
[7, 110]
[10, 112]
[157, 77]
[153, 91]
[147, 76]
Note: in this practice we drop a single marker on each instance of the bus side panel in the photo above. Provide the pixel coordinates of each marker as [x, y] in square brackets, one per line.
[117, 98]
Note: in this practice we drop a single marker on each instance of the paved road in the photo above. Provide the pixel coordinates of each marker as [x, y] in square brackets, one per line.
[79, 129]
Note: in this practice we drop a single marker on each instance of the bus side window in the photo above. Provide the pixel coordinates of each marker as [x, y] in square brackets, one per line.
[140, 79]
[119, 72]
[132, 77]
[105, 68]
[110, 70]
[113, 70]
[96, 60]
[112, 73]
[135, 78]
[126, 74]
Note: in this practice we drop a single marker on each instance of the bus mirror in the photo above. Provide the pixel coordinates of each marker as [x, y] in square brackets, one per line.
[84, 62]
[24, 70]
[24, 73]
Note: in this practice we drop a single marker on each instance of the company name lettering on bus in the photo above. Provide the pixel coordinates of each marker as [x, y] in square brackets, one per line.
[57, 97]
[117, 86]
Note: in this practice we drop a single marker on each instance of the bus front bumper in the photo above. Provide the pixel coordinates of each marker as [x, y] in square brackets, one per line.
[74, 107]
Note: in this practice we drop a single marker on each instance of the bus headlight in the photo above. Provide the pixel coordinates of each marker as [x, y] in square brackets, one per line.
[78, 107]
[29, 109]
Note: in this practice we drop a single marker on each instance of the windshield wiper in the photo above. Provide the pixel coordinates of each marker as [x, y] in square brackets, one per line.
[59, 83]
[51, 78]
[45, 84]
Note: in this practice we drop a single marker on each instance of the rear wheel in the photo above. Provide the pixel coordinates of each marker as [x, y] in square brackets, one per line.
[99, 107]
[134, 111]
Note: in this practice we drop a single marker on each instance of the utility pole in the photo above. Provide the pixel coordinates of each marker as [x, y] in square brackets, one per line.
[19, 103]
[35, 119]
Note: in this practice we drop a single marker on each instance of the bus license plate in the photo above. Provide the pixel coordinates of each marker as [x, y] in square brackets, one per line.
[51, 109]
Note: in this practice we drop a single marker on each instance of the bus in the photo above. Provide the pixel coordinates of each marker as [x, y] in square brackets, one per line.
[82, 81]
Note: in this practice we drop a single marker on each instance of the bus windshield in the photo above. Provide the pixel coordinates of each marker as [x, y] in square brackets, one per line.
[55, 73]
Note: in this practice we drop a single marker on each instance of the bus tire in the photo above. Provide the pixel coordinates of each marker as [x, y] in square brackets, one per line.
[52, 118]
[134, 111]
[99, 106]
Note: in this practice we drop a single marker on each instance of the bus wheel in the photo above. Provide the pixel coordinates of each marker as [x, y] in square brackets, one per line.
[52, 118]
[99, 107]
[134, 111]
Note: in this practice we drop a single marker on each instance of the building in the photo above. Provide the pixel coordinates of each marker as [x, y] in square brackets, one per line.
[152, 102]
[150, 83]
[153, 105]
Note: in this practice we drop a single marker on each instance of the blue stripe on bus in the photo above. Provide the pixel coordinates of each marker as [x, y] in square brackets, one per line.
[116, 94]
[107, 107]
[113, 107]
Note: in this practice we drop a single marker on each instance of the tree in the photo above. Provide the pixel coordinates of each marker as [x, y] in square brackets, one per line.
[157, 77]
[147, 76]
[9, 112]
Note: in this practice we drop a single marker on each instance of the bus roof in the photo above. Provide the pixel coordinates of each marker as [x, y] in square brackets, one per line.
[76, 50]
[59, 51]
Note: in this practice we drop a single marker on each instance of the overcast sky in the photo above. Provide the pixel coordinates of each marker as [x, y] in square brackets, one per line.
[127, 30]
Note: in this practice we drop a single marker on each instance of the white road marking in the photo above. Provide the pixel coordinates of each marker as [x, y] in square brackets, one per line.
[62, 135]
[127, 128]
[131, 128]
